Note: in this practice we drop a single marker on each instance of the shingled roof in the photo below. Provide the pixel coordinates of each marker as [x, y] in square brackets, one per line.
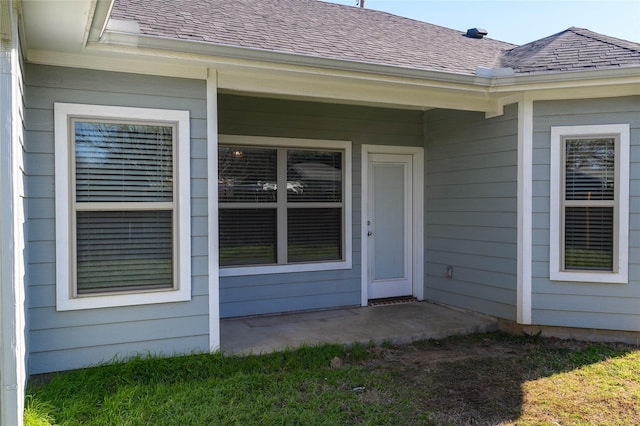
[325, 30]
[575, 49]
[314, 28]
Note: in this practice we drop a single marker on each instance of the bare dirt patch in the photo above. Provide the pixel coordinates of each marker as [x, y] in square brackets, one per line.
[499, 379]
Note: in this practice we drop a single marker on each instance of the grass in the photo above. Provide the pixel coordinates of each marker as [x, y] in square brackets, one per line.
[478, 379]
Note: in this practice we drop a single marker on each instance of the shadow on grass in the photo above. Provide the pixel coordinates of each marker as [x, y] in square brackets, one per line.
[479, 379]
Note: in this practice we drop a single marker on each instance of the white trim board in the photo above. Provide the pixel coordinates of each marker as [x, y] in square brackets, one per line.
[13, 353]
[212, 207]
[417, 154]
[525, 210]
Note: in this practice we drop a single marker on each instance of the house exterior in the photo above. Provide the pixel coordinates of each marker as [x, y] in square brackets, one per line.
[162, 169]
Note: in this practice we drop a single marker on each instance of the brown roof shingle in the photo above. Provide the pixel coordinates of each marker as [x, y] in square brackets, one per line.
[326, 30]
[314, 28]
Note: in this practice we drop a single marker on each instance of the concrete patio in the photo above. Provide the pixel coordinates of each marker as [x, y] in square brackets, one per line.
[397, 324]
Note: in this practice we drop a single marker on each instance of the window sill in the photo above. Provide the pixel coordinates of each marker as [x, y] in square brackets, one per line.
[590, 277]
[283, 269]
[65, 303]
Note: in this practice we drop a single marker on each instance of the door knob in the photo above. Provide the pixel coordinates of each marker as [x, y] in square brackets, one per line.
[369, 233]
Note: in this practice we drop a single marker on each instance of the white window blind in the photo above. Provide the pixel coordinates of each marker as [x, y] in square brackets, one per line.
[124, 192]
[280, 205]
[248, 236]
[124, 250]
[123, 162]
[314, 234]
[589, 203]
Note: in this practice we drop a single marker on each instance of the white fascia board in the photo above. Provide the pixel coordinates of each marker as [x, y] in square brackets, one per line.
[622, 80]
[288, 81]
[496, 83]
[118, 63]
[101, 14]
[476, 94]
[572, 85]
[366, 90]
[273, 74]
[585, 77]
[162, 44]
[603, 90]
[375, 86]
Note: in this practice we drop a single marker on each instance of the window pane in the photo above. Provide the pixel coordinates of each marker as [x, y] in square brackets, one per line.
[314, 234]
[247, 236]
[314, 176]
[124, 250]
[123, 162]
[590, 169]
[247, 174]
[589, 238]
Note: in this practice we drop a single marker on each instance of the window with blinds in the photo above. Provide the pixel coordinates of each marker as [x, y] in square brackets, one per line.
[124, 206]
[280, 205]
[589, 203]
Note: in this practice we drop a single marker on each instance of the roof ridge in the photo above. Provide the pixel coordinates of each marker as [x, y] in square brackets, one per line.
[603, 38]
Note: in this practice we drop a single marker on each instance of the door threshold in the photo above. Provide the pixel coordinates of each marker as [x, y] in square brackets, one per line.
[392, 301]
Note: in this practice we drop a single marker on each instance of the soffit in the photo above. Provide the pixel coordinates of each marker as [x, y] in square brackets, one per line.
[56, 25]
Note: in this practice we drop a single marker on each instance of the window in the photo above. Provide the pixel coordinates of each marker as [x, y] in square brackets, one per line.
[122, 206]
[284, 205]
[590, 202]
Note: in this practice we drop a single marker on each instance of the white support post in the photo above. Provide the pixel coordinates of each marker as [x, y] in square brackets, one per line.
[212, 194]
[525, 208]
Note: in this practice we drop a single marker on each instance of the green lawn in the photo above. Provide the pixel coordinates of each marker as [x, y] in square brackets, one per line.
[478, 379]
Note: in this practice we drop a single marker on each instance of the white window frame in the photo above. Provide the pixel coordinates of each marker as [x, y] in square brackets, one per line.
[66, 294]
[621, 134]
[314, 144]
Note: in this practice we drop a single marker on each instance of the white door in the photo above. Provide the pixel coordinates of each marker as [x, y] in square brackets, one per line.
[389, 226]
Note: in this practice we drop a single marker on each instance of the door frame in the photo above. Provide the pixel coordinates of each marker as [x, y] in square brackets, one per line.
[417, 243]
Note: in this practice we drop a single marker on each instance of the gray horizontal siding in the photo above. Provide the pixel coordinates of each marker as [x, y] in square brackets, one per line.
[238, 115]
[591, 305]
[471, 221]
[117, 352]
[72, 339]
